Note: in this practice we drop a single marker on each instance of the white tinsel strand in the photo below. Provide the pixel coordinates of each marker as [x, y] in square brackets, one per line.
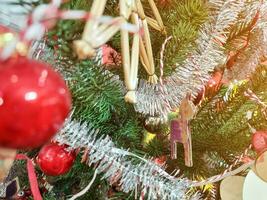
[109, 160]
[195, 71]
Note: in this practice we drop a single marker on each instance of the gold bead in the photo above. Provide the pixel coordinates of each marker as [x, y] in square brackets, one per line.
[22, 49]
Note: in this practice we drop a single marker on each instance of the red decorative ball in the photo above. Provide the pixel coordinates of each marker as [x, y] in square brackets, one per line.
[259, 141]
[34, 102]
[160, 160]
[55, 160]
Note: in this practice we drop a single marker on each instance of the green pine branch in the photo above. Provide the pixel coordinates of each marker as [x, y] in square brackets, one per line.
[99, 99]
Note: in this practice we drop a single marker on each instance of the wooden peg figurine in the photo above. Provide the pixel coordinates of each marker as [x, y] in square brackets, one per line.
[180, 131]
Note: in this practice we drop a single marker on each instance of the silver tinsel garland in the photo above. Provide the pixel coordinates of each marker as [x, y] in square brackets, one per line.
[146, 177]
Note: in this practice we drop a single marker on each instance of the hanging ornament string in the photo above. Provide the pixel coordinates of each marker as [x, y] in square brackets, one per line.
[229, 171]
[86, 188]
[162, 58]
[253, 97]
[32, 177]
[223, 176]
[163, 91]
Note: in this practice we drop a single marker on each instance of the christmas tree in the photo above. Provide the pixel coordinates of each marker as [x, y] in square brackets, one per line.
[168, 97]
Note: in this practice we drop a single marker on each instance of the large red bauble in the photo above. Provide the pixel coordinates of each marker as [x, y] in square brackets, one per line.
[259, 141]
[34, 102]
[54, 160]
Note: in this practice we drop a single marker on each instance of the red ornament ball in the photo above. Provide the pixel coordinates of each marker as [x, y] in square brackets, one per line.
[259, 141]
[55, 160]
[160, 160]
[34, 102]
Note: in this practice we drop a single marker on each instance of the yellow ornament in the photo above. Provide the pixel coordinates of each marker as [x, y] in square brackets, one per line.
[6, 36]
[148, 137]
